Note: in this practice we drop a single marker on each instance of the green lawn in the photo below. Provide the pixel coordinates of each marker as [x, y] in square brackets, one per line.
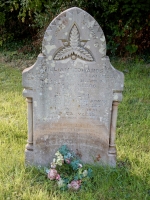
[129, 180]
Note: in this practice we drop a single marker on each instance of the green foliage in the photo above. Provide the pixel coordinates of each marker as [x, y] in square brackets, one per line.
[64, 150]
[126, 24]
[75, 164]
[2, 18]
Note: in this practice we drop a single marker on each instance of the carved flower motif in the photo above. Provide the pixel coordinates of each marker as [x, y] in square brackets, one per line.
[74, 47]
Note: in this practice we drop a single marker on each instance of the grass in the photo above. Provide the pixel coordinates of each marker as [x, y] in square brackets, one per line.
[129, 180]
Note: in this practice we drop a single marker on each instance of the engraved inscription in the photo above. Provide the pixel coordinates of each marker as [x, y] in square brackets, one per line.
[74, 47]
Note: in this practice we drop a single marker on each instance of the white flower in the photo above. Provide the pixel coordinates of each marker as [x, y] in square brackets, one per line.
[58, 154]
[60, 183]
[80, 165]
[53, 164]
[85, 173]
[60, 158]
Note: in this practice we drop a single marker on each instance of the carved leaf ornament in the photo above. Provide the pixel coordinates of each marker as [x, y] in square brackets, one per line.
[74, 47]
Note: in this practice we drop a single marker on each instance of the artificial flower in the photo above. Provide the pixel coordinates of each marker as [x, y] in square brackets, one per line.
[74, 185]
[60, 158]
[69, 155]
[80, 165]
[61, 183]
[52, 174]
[53, 164]
[57, 177]
[67, 161]
[85, 173]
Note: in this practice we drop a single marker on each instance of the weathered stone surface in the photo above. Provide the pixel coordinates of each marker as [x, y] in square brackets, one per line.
[72, 92]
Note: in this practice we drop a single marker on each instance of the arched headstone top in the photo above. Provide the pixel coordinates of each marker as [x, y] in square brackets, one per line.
[74, 34]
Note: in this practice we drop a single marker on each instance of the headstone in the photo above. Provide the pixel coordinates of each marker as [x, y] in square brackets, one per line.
[72, 92]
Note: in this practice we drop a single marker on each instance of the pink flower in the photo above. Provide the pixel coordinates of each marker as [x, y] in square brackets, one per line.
[52, 174]
[57, 177]
[75, 185]
[67, 161]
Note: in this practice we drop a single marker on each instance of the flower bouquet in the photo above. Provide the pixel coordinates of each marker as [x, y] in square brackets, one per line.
[67, 170]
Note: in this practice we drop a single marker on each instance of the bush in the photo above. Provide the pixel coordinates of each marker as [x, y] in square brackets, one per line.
[126, 23]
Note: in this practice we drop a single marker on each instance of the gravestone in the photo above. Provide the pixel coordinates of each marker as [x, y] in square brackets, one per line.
[72, 92]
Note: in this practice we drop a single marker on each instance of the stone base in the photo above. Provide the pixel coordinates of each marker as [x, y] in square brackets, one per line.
[112, 160]
[29, 157]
